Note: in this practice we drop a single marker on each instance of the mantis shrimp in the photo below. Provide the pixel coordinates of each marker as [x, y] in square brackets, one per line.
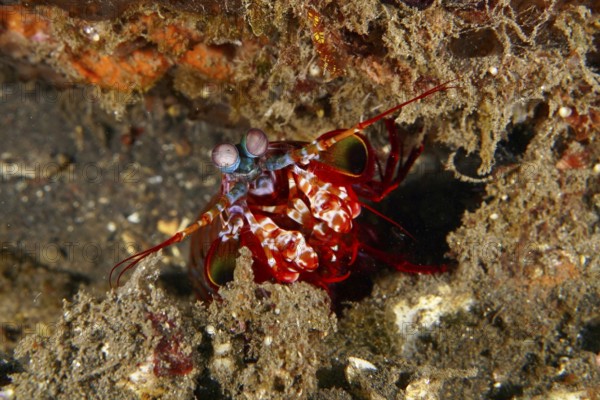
[295, 206]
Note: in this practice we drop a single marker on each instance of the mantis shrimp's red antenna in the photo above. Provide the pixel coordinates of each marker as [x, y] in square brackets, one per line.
[136, 258]
[327, 143]
[238, 190]
[324, 144]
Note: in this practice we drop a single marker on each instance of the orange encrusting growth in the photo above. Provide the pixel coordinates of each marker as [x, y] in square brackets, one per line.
[139, 69]
[209, 61]
[22, 21]
[155, 46]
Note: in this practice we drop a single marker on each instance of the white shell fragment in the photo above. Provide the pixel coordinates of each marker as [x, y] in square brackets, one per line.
[357, 366]
[423, 389]
[7, 393]
[415, 318]
[222, 349]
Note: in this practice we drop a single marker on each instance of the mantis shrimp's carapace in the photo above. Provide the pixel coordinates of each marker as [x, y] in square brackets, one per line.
[295, 206]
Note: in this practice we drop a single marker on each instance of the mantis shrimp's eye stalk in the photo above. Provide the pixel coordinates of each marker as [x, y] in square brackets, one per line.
[255, 143]
[226, 157]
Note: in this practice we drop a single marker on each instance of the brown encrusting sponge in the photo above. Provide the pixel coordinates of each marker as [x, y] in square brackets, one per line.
[264, 342]
[268, 339]
[134, 344]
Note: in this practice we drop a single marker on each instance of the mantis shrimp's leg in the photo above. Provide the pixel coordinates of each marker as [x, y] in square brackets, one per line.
[396, 168]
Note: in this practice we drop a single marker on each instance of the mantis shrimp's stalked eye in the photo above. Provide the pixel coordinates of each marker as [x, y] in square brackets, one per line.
[226, 157]
[255, 143]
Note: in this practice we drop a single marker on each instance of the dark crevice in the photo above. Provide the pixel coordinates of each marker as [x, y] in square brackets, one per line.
[589, 336]
[429, 208]
[206, 386]
[592, 59]
[475, 44]
[404, 380]
[332, 377]
[506, 391]
[176, 282]
[8, 366]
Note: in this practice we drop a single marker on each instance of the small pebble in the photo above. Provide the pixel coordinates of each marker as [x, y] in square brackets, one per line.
[111, 226]
[565, 112]
[314, 70]
[134, 218]
[155, 180]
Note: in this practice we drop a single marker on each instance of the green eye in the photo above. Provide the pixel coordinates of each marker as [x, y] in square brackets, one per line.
[255, 143]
